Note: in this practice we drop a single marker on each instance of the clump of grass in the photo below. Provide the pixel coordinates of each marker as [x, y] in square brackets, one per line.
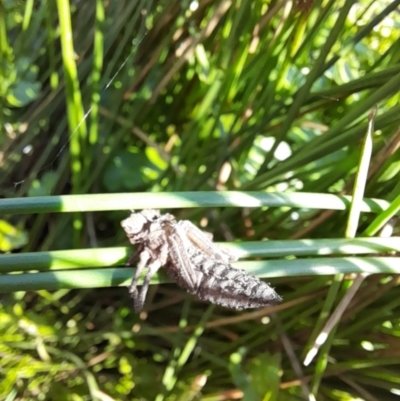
[224, 111]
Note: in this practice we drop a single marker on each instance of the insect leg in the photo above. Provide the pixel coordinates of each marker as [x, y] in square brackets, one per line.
[134, 255]
[140, 300]
[144, 258]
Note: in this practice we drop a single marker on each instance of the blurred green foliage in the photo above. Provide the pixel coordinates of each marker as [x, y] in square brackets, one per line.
[186, 96]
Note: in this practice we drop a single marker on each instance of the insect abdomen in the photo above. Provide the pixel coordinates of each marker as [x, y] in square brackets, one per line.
[234, 288]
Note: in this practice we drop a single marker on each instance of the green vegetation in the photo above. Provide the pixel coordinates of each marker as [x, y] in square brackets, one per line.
[253, 119]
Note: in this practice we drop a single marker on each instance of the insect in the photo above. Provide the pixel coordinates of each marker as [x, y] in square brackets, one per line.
[193, 261]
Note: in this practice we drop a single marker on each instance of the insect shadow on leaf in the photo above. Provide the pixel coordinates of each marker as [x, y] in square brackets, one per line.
[192, 260]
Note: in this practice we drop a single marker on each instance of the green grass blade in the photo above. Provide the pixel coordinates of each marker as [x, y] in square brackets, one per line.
[174, 200]
[92, 277]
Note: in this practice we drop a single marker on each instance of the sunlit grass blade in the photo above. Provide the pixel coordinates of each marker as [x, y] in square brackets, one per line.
[327, 333]
[175, 200]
